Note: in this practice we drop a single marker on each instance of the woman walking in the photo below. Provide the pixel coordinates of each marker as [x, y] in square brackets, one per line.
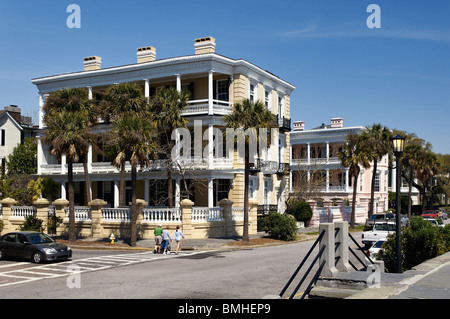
[177, 236]
[166, 238]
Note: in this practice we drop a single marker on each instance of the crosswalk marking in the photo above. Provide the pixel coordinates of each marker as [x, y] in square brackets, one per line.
[61, 269]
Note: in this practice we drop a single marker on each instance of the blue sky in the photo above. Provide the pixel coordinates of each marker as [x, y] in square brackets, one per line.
[397, 75]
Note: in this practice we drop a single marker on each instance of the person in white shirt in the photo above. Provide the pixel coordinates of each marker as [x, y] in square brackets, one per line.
[177, 236]
[165, 239]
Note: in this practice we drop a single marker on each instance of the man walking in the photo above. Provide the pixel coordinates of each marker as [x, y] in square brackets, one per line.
[158, 239]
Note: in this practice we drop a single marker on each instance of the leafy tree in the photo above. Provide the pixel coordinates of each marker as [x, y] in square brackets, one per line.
[378, 144]
[23, 159]
[354, 154]
[166, 107]
[280, 226]
[248, 115]
[68, 119]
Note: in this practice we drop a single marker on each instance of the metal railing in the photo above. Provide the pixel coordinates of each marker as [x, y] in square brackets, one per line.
[316, 275]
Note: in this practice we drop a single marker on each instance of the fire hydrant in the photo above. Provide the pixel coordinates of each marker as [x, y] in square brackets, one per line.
[112, 238]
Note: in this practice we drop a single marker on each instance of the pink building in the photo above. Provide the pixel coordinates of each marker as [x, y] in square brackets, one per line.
[317, 173]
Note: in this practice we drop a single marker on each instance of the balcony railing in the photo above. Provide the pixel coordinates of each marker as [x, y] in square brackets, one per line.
[266, 209]
[284, 123]
[198, 107]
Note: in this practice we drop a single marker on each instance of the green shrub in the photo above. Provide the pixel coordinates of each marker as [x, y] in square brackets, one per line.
[32, 223]
[280, 226]
[420, 241]
[301, 211]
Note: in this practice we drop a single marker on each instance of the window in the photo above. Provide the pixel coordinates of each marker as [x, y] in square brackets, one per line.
[3, 139]
[222, 90]
[267, 99]
[252, 185]
[377, 182]
[252, 92]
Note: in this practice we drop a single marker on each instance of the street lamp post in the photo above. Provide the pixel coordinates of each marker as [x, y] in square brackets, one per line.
[397, 146]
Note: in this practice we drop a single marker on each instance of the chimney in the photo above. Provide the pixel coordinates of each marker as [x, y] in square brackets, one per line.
[337, 122]
[146, 54]
[92, 63]
[299, 126]
[205, 45]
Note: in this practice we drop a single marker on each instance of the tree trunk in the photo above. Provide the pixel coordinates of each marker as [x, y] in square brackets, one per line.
[411, 172]
[87, 183]
[245, 236]
[72, 236]
[353, 215]
[372, 187]
[133, 206]
[122, 184]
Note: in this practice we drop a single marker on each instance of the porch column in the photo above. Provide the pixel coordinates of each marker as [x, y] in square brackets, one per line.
[177, 192]
[89, 159]
[210, 92]
[308, 153]
[147, 88]
[89, 92]
[210, 146]
[116, 193]
[63, 164]
[41, 110]
[178, 82]
[210, 192]
[346, 180]
[327, 188]
[63, 190]
[328, 151]
[40, 155]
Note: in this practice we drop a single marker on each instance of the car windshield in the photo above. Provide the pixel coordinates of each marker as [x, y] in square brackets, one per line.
[385, 226]
[39, 238]
[378, 244]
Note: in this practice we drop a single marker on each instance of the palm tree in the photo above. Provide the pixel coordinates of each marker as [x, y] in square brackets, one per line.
[135, 136]
[166, 107]
[249, 115]
[120, 100]
[378, 144]
[67, 132]
[352, 156]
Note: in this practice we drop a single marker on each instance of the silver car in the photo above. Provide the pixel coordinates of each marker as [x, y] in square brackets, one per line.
[34, 246]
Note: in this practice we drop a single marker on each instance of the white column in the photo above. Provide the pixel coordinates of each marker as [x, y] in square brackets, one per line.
[177, 192]
[89, 92]
[308, 153]
[41, 110]
[116, 193]
[328, 180]
[63, 190]
[210, 192]
[328, 151]
[210, 92]
[40, 155]
[210, 146]
[147, 88]
[178, 82]
[346, 180]
[89, 159]
[63, 164]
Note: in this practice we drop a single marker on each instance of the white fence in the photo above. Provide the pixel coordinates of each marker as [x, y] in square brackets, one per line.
[162, 215]
[200, 214]
[21, 212]
[82, 213]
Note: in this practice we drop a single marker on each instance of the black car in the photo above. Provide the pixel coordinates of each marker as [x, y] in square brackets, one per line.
[34, 246]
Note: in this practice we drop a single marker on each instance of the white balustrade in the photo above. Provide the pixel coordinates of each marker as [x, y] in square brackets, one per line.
[162, 215]
[21, 212]
[237, 213]
[82, 213]
[200, 214]
[116, 214]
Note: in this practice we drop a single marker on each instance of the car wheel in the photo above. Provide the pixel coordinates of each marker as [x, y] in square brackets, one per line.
[37, 257]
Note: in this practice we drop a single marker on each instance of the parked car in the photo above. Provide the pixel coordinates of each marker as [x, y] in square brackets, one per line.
[434, 222]
[380, 231]
[376, 218]
[430, 214]
[373, 250]
[34, 246]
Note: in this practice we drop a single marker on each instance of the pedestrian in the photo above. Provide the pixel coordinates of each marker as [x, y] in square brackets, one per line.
[158, 239]
[177, 236]
[166, 238]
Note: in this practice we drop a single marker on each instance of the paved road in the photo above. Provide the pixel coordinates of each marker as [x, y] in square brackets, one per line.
[248, 273]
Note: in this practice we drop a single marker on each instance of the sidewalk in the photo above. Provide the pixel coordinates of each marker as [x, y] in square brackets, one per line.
[429, 280]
